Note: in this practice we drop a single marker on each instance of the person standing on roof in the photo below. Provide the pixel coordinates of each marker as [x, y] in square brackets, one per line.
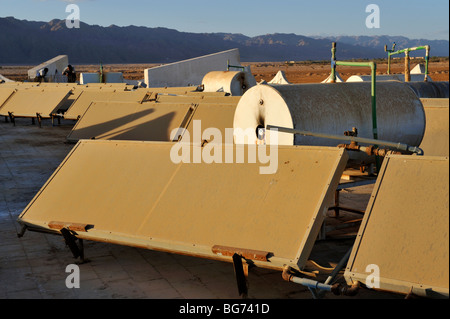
[70, 73]
[40, 75]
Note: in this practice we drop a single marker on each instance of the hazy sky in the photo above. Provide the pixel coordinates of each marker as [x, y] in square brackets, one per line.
[411, 18]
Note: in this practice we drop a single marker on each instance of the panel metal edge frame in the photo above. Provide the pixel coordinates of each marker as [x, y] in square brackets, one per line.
[183, 125]
[7, 99]
[80, 117]
[45, 116]
[60, 104]
[181, 248]
[60, 166]
[348, 274]
[404, 287]
[74, 128]
[71, 106]
[327, 198]
[387, 284]
[186, 121]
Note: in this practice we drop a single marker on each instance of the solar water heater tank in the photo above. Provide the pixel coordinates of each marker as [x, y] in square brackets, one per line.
[330, 109]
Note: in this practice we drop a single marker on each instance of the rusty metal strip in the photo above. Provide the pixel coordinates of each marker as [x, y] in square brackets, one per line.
[70, 226]
[250, 254]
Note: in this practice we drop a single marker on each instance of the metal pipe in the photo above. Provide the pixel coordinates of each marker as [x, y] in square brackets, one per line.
[407, 67]
[373, 67]
[389, 65]
[313, 284]
[317, 289]
[427, 49]
[369, 150]
[411, 49]
[234, 66]
[333, 62]
[398, 146]
[427, 61]
[342, 263]
[339, 266]
[389, 56]
[350, 290]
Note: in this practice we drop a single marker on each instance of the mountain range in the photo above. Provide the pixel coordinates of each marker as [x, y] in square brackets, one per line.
[32, 42]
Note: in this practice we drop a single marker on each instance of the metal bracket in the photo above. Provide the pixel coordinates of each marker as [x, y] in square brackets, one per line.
[22, 231]
[39, 118]
[53, 116]
[241, 273]
[240, 267]
[77, 249]
[68, 230]
[337, 207]
[11, 117]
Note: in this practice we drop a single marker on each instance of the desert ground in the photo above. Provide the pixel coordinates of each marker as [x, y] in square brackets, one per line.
[296, 72]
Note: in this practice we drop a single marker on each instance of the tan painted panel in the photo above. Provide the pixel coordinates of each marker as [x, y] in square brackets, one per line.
[434, 102]
[19, 84]
[436, 139]
[179, 94]
[114, 85]
[130, 121]
[197, 98]
[101, 88]
[405, 230]
[77, 91]
[28, 102]
[208, 94]
[57, 85]
[5, 94]
[173, 90]
[135, 195]
[74, 95]
[80, 106]
[218, 116]
[109, 184]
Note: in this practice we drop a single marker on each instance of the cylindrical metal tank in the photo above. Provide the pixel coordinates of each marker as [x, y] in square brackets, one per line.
[232, 82]
[430, 90]
[386, 77]
[331, 109]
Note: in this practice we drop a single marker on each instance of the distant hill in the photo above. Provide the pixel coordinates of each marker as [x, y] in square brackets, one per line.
[30, 42]
[377, 43]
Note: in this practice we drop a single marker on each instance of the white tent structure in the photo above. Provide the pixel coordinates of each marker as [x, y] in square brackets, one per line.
[328, 79]
[4, 79]
[418, 69]
[280, 78]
